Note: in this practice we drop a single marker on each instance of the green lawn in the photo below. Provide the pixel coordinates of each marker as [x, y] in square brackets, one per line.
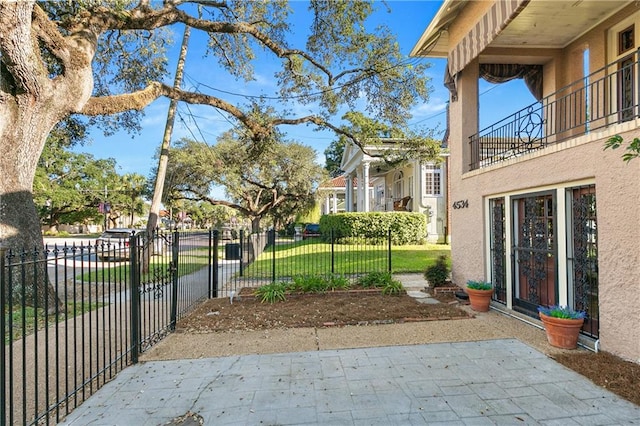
[189, 261]
[416, 258]
[314, 256]
[298, 258]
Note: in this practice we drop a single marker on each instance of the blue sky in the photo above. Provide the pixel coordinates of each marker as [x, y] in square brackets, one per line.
[407, 19]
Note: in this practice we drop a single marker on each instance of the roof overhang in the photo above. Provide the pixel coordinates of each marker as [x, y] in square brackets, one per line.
[532, 27]
[434, 42]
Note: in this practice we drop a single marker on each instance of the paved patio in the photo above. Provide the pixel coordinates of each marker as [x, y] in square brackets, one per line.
[502, 381]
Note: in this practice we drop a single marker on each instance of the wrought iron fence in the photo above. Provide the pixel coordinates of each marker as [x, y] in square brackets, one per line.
[73, 316]
[105, 304]
[258, 259]
[605, 97]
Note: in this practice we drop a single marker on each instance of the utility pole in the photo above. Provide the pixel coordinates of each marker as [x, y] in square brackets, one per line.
[154, 211]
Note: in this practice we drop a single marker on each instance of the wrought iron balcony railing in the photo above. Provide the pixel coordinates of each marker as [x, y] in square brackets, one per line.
[605, 97]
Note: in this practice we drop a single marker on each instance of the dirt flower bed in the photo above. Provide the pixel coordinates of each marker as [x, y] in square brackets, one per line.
[317, 310]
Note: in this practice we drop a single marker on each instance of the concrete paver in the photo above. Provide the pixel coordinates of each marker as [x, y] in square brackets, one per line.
[490, 369]
[502, 381]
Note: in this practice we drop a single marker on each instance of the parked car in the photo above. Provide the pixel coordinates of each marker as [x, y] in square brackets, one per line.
[311, 230]
[113, 244]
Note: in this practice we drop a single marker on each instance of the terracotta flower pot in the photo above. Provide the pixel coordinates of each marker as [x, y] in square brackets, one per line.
[562, 332]
[479, 299]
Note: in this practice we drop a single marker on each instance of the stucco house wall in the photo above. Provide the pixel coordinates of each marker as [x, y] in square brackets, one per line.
[573, 163]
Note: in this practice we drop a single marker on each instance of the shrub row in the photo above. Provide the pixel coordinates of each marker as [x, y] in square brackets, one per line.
[373, 227]
[277, 291]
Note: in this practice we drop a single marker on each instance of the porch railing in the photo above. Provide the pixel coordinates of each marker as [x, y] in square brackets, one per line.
[607, 96]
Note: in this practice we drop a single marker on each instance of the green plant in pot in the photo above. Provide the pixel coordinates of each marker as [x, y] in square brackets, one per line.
[562, 325]
[480, 293]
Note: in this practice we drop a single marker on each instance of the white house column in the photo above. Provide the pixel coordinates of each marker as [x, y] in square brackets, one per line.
[359, 197]
[348, 196]
[335, 202]
[326, 204]
[365, 187]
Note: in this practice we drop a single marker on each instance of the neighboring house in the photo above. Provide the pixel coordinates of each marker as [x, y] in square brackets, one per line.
[410, 186]
[332, 195]
[539, 208]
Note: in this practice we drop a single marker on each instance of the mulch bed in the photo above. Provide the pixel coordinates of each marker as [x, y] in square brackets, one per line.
[314, 310]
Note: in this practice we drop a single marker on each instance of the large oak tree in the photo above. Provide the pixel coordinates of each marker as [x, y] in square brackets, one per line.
[281, 176]
[105, 60]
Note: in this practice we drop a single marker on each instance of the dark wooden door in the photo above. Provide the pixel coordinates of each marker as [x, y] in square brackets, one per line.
[534, 253]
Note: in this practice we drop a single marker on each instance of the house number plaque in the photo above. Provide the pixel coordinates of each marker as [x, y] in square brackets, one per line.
[462, 204]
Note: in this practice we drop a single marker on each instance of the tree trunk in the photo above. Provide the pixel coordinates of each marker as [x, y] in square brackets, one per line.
[31, 103]
[161, 171]
[255, 225]
[20, 229]
[154, 210]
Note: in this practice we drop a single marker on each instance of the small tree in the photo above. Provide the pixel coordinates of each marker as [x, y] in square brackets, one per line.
[438, 273]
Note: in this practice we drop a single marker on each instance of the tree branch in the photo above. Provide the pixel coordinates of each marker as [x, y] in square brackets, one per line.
[17, 47]
[48, 33]
[216, 202]
[142, 98]
[142, 18]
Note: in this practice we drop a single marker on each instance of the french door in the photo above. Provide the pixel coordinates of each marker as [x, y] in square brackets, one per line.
[534, 253]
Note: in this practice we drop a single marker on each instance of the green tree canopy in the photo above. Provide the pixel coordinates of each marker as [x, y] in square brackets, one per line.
[69, 187]
[278, 181]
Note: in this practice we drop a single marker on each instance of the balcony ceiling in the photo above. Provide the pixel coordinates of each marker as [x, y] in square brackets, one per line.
[533, 27]
[542, 23]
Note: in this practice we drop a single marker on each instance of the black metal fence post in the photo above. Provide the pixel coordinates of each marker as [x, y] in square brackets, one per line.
[389, 251]
[333, 254]
[3, 327]
[210, 265]
[272, 238]
[174, 278]
[241, 250]
[134, 274]
[216, 262]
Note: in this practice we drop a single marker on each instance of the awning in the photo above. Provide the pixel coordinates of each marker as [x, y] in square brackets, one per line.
[481, 35]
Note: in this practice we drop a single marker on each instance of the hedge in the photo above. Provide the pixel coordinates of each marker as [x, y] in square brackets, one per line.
[406, 227]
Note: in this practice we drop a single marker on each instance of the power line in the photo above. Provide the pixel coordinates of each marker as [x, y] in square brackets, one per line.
[196, 123]
[410, 61]
[184, 123]
[445, 111]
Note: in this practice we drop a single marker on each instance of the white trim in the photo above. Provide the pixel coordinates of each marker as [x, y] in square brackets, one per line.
[561, 245]
[487, 238]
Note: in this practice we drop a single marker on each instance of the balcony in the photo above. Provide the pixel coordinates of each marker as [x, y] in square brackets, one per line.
[605, 97]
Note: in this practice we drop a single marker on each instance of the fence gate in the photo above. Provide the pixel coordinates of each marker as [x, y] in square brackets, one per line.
[113, 301]
[154, 285]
